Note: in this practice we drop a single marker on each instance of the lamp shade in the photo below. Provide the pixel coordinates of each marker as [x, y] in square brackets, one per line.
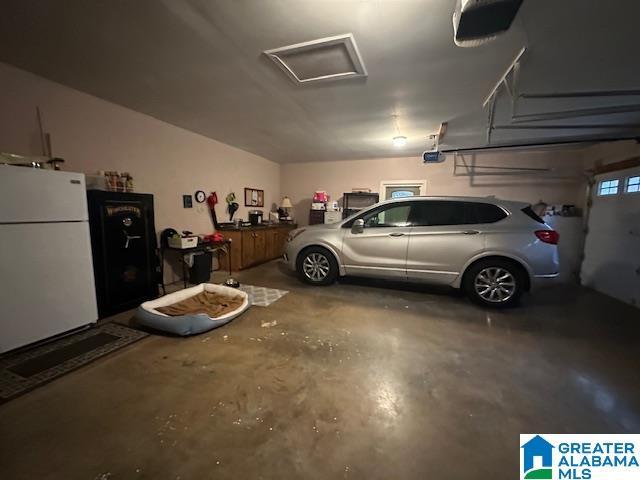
[286, 203]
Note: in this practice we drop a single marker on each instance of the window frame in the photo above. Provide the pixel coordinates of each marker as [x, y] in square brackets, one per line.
[426, 203]
[502, 209]
[466, 206]
[608, 187]
[627, 184]
[381, 208]
[420, 183]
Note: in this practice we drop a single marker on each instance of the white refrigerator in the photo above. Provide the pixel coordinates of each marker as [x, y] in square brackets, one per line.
[46, 271]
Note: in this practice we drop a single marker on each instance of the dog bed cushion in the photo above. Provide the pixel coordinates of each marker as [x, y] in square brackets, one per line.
[212, 303]
[193, 310]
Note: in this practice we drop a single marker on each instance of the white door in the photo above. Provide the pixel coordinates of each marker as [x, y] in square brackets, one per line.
[612, 250]
[47, 281]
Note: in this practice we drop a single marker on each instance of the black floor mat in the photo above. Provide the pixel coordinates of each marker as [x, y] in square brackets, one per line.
[51, 359]
[26, 370]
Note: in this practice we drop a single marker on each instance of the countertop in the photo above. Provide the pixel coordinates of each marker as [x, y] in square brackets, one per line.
[262, 226]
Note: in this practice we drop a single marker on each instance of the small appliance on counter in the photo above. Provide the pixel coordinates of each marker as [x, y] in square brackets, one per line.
[255, 217]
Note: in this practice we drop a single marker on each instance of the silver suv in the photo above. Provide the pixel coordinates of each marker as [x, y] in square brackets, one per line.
[493, 249]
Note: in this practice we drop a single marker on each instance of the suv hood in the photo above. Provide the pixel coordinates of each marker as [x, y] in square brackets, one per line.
[323, 226]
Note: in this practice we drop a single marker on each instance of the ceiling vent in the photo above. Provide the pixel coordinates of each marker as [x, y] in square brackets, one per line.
[478, 21]
[332, 58]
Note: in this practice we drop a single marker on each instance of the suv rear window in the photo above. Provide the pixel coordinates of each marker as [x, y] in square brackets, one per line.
[439, 213]
[528, 211]
[488, 213]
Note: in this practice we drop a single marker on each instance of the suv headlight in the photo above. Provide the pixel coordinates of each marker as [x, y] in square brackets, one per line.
[294, 233]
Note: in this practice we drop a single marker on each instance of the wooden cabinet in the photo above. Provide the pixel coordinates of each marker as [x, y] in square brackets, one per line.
[254, 245]
[276, 240]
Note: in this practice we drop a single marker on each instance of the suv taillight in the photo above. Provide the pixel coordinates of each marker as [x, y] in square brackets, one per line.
[548, 236]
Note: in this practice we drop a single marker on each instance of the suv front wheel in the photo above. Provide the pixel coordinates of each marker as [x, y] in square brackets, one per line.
[317, 266]
[495, 283]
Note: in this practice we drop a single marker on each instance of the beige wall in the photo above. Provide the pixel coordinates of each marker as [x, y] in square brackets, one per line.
[565, 184]
[167, 161]
[609, 152]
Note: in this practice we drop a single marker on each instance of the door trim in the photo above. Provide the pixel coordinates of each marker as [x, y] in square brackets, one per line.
[442, 272]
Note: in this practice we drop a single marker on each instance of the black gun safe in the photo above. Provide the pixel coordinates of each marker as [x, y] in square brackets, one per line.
[123, 241]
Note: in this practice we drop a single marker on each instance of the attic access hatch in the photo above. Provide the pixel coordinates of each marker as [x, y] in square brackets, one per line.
[331, 58]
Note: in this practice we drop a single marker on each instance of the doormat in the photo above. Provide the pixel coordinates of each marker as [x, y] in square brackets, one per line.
[262, 296]
[26, 370]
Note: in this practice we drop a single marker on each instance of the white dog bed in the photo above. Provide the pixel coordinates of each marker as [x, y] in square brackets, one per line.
[191, 324]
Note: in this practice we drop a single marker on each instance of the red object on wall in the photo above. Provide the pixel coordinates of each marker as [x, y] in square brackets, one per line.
[211, 201]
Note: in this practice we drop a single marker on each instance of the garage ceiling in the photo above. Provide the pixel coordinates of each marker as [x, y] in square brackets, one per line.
[199, 64]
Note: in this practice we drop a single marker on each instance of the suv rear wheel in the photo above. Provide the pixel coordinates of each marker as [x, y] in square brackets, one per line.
[495, 282]
[317, 266]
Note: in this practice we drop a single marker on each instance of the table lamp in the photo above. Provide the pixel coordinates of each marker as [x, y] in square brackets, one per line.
[286, 205]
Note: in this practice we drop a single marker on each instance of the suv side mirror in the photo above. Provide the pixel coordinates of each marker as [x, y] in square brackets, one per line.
[358, 226]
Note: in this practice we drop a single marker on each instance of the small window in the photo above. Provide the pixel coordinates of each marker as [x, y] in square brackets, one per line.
[608, 187]
[633, 185]
[402, 194]
[388, 216]
[487, 213]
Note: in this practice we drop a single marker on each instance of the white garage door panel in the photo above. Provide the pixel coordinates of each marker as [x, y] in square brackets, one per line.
[612, 250]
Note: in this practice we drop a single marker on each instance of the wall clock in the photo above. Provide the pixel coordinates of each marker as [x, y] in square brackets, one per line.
[200, 196]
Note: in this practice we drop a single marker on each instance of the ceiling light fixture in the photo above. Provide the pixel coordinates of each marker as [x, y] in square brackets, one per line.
[399, 140]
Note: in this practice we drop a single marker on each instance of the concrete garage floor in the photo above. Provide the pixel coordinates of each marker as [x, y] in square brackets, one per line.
[354, 381]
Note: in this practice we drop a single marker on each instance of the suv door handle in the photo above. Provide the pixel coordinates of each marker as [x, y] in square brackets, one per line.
[396, 234]
[471, 232]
